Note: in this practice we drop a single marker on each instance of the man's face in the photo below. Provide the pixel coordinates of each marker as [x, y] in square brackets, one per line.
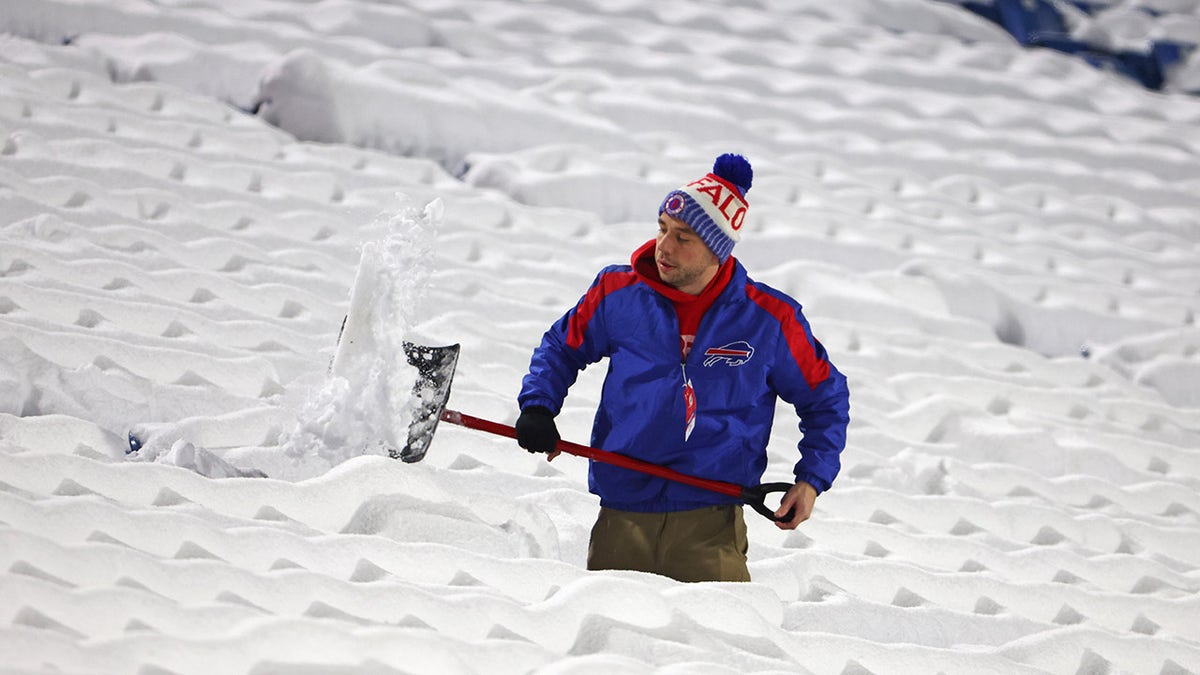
[684, 261]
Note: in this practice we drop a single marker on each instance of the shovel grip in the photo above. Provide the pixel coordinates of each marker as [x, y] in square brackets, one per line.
[753, 496]
[756, 497]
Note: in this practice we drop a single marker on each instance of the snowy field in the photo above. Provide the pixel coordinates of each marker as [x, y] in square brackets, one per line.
[1000, 248]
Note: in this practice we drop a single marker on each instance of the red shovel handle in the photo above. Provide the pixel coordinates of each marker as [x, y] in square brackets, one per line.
[754, 496]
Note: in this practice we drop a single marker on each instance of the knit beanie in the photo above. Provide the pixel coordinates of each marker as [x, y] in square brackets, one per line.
[715, 206]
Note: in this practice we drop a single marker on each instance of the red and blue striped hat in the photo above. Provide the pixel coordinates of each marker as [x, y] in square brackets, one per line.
[715, 206]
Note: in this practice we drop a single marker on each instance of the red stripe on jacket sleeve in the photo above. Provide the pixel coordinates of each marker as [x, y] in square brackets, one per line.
[607, 284]
[815, 369]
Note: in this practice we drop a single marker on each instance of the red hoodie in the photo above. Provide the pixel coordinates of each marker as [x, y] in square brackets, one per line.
[689, 308]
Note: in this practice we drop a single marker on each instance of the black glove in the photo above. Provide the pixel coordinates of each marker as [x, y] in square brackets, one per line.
[536, 431]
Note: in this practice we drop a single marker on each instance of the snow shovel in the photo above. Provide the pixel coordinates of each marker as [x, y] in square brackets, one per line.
[435, 365]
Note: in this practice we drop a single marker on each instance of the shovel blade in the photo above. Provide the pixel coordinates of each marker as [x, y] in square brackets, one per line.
[435, 369]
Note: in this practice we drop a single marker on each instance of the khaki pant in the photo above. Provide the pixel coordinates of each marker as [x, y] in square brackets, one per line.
[707, 544]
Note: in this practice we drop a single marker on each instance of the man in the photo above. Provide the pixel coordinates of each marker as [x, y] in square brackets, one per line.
[698, 353]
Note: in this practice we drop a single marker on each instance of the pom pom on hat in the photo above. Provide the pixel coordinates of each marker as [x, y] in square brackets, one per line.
[715, 206]
[736, 170]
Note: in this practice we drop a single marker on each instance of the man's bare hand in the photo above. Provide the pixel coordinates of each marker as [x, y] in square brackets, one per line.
[801, 496]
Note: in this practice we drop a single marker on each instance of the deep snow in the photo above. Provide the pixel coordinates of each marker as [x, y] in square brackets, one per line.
[999, 247]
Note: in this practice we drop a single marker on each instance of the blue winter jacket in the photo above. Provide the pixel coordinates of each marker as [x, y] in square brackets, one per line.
[753, 345]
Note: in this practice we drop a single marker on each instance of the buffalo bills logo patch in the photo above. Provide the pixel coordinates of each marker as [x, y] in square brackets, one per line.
[732, 354]
[674, 204]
